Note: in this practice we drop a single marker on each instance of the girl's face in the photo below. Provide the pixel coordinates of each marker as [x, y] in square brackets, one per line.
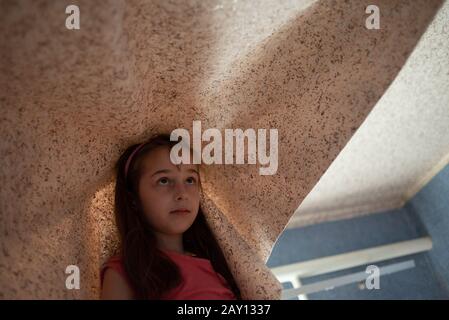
[165, 188]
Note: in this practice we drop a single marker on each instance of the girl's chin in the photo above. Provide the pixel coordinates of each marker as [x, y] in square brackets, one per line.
[180, 228]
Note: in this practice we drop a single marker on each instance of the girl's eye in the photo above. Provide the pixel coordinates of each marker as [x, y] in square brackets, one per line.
[191, 180]
[162, 181]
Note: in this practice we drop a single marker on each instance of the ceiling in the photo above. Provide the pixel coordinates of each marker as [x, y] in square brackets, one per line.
[401, 145]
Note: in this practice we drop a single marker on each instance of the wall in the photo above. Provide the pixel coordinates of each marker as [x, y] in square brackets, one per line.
[425, 214]
[431, 207]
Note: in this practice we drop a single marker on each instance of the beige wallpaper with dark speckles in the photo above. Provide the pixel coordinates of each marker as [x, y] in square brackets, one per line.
[72, 100]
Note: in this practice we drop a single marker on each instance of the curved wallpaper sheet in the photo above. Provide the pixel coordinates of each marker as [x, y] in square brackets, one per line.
[72, 100]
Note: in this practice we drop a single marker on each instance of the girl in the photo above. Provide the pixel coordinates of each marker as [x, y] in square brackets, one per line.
[167, 250]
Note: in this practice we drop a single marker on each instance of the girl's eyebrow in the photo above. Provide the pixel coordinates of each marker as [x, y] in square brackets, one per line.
[161, 171]
[193, 170]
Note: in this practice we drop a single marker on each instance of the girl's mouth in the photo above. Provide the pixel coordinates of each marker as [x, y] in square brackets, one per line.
[180, 211]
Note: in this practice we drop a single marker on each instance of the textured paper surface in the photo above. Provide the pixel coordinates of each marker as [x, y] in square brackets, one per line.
[73, 100]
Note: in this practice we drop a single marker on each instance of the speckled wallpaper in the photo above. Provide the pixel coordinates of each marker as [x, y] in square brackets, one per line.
[73, 99]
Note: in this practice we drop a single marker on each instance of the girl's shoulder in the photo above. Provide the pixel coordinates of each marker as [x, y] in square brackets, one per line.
[114, 262]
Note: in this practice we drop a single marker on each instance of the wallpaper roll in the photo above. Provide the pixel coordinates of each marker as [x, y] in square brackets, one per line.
[73, 99]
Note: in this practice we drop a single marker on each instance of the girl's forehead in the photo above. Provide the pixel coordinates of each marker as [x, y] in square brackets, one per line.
[159, 159]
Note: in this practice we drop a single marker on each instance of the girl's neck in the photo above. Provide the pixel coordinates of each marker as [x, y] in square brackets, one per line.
[170, 242]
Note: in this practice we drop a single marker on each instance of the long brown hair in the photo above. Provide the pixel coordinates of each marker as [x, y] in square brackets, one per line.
[151, 272]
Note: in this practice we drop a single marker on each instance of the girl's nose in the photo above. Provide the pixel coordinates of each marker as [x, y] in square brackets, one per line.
[180, 192]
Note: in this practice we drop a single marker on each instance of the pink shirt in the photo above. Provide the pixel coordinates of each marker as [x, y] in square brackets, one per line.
[199, 279]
